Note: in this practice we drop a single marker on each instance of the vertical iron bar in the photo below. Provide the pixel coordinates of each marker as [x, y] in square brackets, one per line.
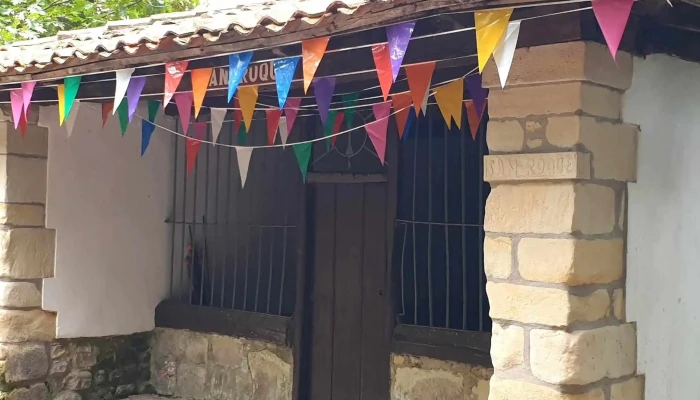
[183, 248]
[430, 220]
[413, 226]
[174, 219]
[269, 277]
[447, 239]
[236, 227]
[403, 253]
[284, 248]
[194, 229]
[227, 228]
[217, 222]
[247, 267]
[205, 228]
[261, 235]
[481, 234]
[463, 241]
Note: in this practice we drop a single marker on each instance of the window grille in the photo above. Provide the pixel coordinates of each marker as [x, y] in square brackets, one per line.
[438, 241]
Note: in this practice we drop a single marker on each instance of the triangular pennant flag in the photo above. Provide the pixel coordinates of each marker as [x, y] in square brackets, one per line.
[302, 151]
[449, 100]
[184, 100]
[477, 92]
[323, 90]
[123, 77]
[312, 50]
[284, 132]
[284, 75]
[382, 62]
[237, 115]
[242, 135]
[349, 104]
[147, 128]
[402, 106]
[424, 104]
[337, 123]
[503, 55]
[61, 89]
[72, 84]
[23, 122]
[123, 113]
[474, 117]
[419, 76]
[200, 84]
[490, 27]
[376, 130]
[612, 16]
[153, 107]
[106, 110]
[72, 118]
[409, 123]
[217, 121]
[17, 103]
[398, 35]
[272, 116]
[247, 97]
[27, 91]
[134, 93]
[290, 111]
[174, 71]
[328, 128]
[237, 66]
[192, 146]
[243, 155]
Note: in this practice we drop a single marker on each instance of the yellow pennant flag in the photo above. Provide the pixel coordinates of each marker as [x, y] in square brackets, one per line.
[247, 97]
[449, 100]
[490, 28]
[61, 103]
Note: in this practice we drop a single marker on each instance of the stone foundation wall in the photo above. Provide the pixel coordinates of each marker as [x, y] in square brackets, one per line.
[208, 366]
[422, 378]
[76, 369]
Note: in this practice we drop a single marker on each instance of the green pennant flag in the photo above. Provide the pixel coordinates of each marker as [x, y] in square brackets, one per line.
[123, 111]
[72, 83]
[153, 106]
[328, 129]
[303, 153]
[350, 100]
[242, 135]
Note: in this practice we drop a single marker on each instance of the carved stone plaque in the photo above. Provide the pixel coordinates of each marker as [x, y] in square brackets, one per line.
[537, 167]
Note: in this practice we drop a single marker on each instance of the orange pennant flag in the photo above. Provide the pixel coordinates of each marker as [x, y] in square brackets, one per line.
[247, 97]
[337, 122]
[200, 84]
[272, 116]
[419, 76]
[106, 111]
[312, 51]
[473, 117]
[402, 106]
[382, 61]
[449, 99]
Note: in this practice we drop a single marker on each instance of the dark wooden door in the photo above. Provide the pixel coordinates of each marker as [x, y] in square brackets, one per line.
[349, 341]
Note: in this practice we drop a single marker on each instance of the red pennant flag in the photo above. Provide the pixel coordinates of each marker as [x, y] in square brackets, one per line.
[192, 146]
[23, 121]
[382, 61]
[237, 115]
[402, 106]
[272, 116]
[337, 123]
[419, 77]
[474, 117]
[106, 111]
[174, 71]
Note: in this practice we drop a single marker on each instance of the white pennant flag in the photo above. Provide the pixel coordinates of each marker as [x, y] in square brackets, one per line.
[503, 55]
[72, 117]
[284, 131]
[123, 78]
[243, 155]
[217, 120]
[424, 106]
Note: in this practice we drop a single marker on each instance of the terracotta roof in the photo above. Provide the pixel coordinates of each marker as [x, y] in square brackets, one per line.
[133, 35]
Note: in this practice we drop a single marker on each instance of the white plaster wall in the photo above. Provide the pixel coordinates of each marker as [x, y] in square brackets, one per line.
[663, 254]
[108, 205]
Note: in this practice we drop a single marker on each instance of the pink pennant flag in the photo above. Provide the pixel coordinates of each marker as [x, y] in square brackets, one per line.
[612, 16]
[184, 101]
[16, 102]
[27, 91]
[291, 108]
[376, 130]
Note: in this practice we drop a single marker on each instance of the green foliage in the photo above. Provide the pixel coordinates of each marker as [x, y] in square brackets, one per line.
[30, 19]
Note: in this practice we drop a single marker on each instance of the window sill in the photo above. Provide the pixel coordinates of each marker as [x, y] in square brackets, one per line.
[443, 344]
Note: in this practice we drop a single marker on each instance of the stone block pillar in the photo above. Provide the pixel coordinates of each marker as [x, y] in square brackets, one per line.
[560, 157]
[26, 257]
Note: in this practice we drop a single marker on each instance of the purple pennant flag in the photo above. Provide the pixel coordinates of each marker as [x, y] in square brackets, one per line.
[133, 93]
[478, 93]
[398, 35]
[323, 90]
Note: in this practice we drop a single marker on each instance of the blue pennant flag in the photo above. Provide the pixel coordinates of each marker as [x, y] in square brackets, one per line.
[409, 123]
[284, 74]
[147, 128]
[237, 66]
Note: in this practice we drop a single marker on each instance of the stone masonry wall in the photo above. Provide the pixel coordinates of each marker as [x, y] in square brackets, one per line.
[560, 159]
[208, 366]
[422, 378]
